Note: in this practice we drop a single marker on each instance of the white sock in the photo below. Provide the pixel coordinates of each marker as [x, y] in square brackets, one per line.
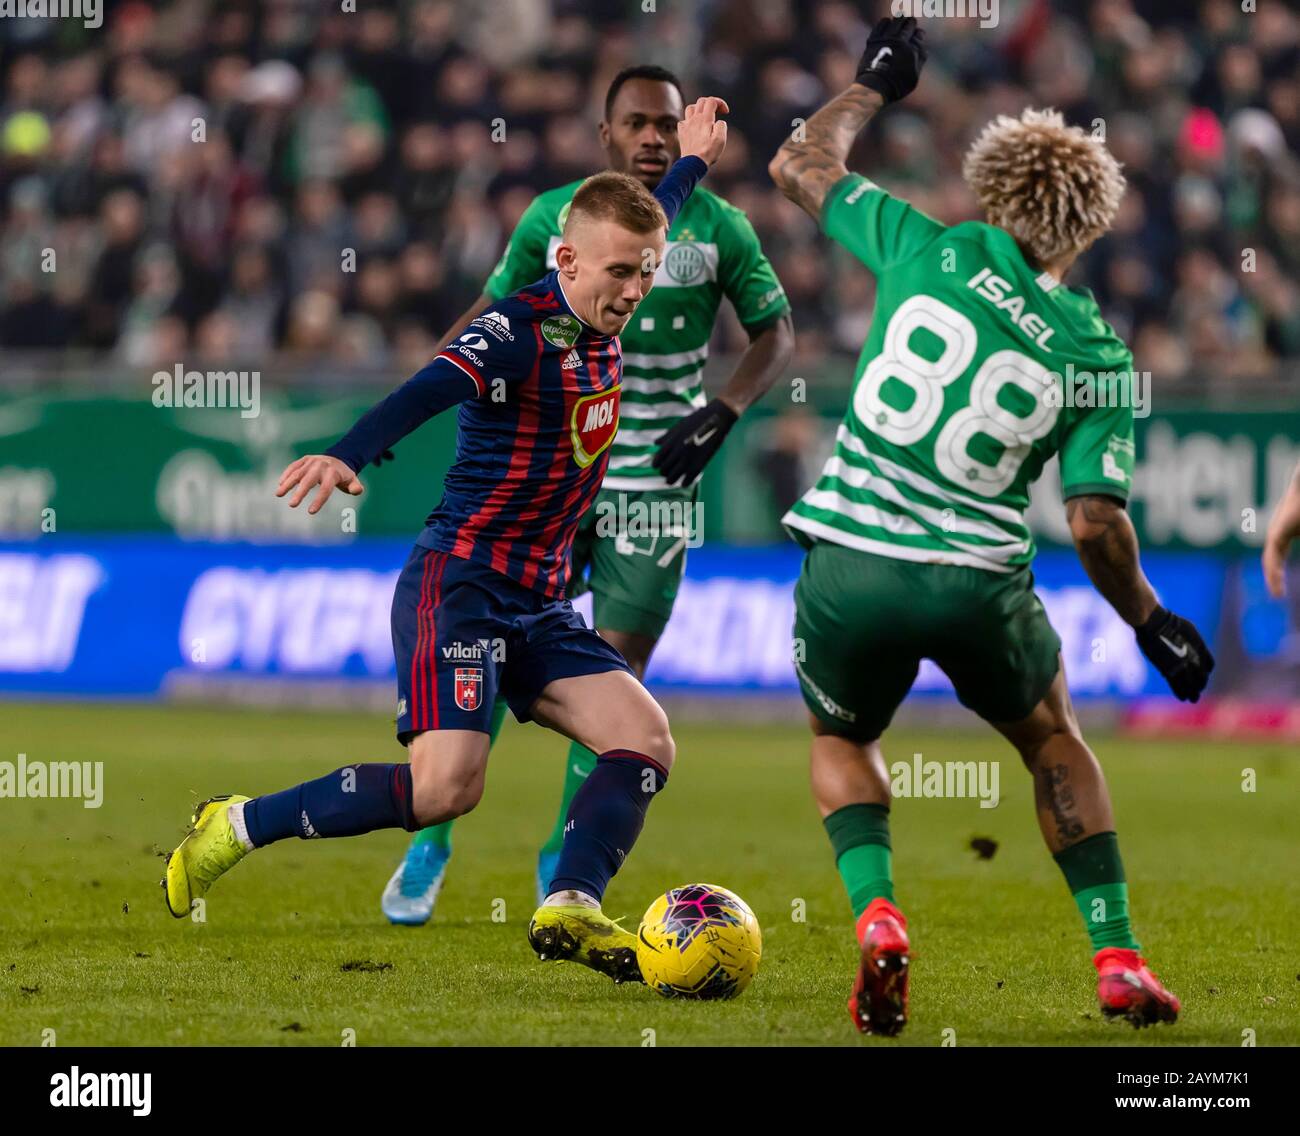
[236, 815]
[570, 899]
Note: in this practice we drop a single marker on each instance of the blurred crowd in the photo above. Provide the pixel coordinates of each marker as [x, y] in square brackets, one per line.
[293, 183]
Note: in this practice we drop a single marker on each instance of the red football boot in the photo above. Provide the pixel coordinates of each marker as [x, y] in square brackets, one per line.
[1127, 989]
[878, 1004]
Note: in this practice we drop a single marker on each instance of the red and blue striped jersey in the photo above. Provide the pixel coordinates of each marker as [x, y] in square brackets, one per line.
[538, 392]
[532, 445]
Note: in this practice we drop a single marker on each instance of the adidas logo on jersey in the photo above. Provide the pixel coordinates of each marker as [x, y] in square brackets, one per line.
[571, 360]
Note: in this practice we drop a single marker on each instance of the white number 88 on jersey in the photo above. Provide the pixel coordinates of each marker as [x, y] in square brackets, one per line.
[984, 411]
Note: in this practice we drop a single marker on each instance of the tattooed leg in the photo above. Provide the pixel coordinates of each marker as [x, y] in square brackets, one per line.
[1069, 788]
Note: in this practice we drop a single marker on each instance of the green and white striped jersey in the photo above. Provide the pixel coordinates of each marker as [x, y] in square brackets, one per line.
[712, 251]
[977, 370]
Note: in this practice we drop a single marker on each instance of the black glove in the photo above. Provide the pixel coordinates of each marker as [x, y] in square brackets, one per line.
[1177, 651]
[892, 61]
[685, 450]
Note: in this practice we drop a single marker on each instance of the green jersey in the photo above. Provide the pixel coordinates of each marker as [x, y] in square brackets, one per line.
[712, 251]
[977, 370]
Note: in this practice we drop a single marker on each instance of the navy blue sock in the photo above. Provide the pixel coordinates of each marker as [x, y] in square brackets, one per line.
[347, 802]
[605, 819]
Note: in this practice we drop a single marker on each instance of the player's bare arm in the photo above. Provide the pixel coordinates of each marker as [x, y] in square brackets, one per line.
[1107, 545]
[805, 170]
[1108, 549]
[888, 71]
[1283, 531]
[761, 365]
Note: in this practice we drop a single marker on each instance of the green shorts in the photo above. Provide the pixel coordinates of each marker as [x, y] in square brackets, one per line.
[630, 553]
[863, 623]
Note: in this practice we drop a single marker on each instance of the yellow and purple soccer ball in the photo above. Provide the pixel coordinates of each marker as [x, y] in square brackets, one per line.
[699, 941]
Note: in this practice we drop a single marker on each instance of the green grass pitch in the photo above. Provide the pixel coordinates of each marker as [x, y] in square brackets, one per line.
[294, 950]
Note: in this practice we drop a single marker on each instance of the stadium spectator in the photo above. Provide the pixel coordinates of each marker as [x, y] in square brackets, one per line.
[259, 142]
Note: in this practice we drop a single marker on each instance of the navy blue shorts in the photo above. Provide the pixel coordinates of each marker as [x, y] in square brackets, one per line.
[464, 634]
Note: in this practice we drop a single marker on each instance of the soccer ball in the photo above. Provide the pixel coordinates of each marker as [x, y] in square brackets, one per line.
[698, 941]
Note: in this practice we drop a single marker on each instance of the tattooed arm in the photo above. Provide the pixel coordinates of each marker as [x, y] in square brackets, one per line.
[1107, 545]
[805, 171]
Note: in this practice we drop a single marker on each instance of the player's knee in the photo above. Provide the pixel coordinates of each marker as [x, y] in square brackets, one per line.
[437, 797]
[462, 798]
[657, 737]
[1038, 747]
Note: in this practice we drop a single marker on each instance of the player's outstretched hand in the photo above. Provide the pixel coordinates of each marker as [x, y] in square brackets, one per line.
[1177, 651]
[317, 470]
[894, 56]
[700, 133]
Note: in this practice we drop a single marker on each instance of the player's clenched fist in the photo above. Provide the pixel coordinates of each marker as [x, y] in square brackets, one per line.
[700, 133]
[894, 56]
[317, 470]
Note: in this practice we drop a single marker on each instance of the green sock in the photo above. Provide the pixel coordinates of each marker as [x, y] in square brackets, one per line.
[1095, 875]
[860, 837]
[440, 834]
[577, 768]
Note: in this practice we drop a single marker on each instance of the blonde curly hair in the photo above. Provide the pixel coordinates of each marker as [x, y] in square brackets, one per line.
[1053, 187]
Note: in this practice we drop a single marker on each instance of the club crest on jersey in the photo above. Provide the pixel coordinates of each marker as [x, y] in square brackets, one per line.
[593, 425]
[560, 330]
[469, 687]
[685, 263]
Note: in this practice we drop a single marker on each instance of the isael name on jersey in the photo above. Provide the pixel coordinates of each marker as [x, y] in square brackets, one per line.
[989, 286]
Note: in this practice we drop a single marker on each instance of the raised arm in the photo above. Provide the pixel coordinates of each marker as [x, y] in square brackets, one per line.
[1107, 545]
[805, 170]
[703, 138]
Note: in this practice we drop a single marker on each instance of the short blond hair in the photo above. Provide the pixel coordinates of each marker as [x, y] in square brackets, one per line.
[1053, 187]
[611, 196]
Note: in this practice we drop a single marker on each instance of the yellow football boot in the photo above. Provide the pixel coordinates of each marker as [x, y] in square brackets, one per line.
[576, 933]
[209, 850]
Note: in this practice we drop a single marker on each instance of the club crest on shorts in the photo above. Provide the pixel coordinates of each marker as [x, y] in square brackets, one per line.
[593, 425]
[469, 687]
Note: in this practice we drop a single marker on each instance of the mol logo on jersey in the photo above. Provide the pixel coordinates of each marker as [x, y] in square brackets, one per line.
[593, 425]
